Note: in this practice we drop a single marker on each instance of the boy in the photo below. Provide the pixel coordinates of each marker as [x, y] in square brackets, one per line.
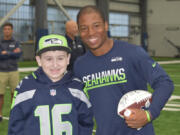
[51, 101]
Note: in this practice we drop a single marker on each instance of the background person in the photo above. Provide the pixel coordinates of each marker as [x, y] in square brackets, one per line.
[74, 42]
[112, 68]
[51, 100]
[10, 52]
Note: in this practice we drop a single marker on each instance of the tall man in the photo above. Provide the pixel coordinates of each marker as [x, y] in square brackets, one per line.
[9, 54]
[112, 68]
[74, 42]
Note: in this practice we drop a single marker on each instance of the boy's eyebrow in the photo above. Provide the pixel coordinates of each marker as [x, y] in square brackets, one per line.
[57, 56]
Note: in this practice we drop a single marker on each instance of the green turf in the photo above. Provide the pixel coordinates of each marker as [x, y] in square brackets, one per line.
[27, 64]
[173, 70]
[166, 124]
[164, 58]
[6, 108]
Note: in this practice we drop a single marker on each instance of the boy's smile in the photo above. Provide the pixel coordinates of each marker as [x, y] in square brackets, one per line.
[54, 63]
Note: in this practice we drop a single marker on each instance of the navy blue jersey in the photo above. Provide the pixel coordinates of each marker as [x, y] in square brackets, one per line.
[108, 77]
[42, 107]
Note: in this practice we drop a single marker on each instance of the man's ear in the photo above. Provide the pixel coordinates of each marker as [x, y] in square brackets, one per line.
[69, 57]
[106, 26]
[38, 60]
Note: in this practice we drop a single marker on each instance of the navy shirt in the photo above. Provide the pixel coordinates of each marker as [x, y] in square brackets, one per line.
[9, 61]
[108, 77]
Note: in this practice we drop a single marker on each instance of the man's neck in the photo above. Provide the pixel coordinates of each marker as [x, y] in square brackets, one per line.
[104, 48]
[7, 37]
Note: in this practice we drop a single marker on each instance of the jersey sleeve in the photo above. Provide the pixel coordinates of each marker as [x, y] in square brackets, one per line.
[17, 118]
[158, 79]
[85, 113]
[85, 119]
[16, 121]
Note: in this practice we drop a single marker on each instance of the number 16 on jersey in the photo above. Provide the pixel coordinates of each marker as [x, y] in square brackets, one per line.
[59, 126]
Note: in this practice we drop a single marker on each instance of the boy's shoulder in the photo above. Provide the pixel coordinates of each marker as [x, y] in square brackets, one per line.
[75, 83]
[75, 88]
[27, 83]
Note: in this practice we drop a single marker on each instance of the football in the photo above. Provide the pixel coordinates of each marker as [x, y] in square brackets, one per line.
[133, 99]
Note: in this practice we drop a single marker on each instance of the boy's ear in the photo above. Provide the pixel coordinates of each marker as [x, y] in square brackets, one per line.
[38, 59]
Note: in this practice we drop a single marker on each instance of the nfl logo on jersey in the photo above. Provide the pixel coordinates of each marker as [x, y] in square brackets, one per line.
[52, 92]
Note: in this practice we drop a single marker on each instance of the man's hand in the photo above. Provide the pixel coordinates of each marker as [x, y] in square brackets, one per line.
[17, 50]
[137, 119]
[4, 52]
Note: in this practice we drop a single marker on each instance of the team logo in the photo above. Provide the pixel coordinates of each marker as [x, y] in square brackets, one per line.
[115, 59]
[53, 92]
[11, 45]
[52, 41]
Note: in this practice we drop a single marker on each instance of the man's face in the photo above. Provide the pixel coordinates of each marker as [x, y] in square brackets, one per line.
[54, 63]
[7, 31]
[93, 30]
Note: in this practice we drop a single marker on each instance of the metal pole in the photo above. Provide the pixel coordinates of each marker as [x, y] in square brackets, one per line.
[103, 5]
[62, 9]
[4, 19]
[144, 33]
[41, 24]
[41, 14]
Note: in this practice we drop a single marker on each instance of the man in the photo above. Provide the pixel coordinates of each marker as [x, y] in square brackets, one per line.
[9, 54]
[112, 68]
[51, 100]
[74, 42]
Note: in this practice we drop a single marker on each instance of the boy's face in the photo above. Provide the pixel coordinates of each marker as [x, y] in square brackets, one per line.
[54, 63]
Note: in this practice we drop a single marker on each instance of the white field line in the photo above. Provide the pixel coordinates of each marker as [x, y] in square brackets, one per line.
[5, 118]
[175, 76]
[171, 109]
[172, 105]
[177, 85]
[27, 69]
[160, 62]
[169, 62]
[174, 97]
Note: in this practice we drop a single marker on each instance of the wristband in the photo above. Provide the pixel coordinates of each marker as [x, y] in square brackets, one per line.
[148, 116]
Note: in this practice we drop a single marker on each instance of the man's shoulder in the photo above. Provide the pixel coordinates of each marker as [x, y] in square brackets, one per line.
[83, 58]
[124, 46]
[10, 41]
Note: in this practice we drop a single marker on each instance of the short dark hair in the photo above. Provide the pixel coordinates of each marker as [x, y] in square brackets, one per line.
[90, 9]
[8, 24]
